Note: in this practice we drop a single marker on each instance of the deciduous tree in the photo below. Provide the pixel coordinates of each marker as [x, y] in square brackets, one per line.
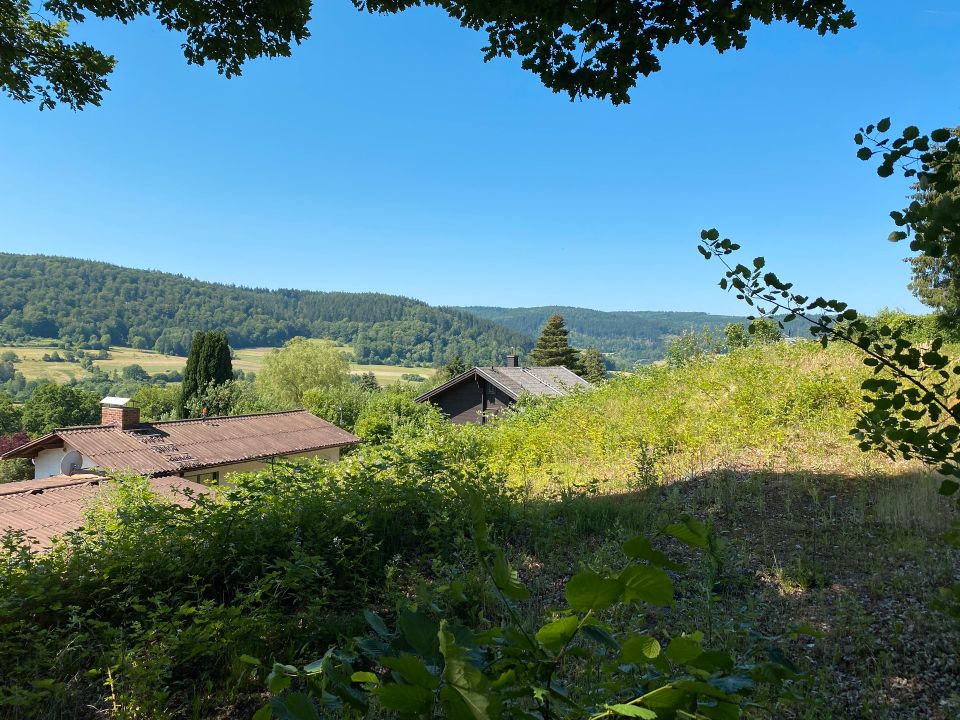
[580, 48]
[298, 366]
[52, 406]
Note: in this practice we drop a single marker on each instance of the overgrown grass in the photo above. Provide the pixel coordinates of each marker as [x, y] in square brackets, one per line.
[784, 407]
[149, 611]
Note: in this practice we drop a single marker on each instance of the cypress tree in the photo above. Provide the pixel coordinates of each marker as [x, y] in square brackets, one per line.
[552, 347]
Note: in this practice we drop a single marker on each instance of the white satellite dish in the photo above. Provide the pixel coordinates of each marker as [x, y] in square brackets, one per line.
[71, 462]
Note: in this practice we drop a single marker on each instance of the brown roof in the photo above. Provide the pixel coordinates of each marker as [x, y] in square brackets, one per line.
[171, 447]
[46, 508]
[515, 381]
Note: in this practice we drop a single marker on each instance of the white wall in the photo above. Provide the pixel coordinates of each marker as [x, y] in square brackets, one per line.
[47, 462]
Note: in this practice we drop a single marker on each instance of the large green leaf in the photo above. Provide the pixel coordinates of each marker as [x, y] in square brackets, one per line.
[554, 635]
[470, 685]
[412, 670]
[421, 632]
[506, 578]
[646, 583]
[632, 711]
[590, 591]
[639, 649]
[684, 648]
[376, 623]
[640, 548]
[690, 531]
[407, 699]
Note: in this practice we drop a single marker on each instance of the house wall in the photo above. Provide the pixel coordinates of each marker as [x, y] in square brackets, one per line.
[47, 462]
[330, 454]
[467, 402]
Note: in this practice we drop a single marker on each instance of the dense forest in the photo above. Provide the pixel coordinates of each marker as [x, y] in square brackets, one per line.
[98, 304]
[625, 337]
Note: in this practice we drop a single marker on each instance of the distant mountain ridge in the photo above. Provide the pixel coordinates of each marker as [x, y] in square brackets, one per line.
[79, 300]
[626, 337]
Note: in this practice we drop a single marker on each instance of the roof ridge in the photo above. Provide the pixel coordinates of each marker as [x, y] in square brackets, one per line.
[221, 417]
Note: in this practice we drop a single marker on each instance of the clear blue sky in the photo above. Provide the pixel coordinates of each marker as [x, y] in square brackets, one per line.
[385, 152]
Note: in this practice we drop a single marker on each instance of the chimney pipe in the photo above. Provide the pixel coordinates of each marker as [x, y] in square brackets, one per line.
[513, 361]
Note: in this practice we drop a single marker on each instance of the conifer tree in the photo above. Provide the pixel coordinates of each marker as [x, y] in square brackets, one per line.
[208, 364]
[592, 367]
[553, 348]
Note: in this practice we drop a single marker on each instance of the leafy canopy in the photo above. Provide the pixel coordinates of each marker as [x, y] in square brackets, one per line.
[299, 366]
[581, 48]
[52, 406]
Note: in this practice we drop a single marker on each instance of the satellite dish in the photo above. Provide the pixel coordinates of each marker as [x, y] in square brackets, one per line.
[71, 462]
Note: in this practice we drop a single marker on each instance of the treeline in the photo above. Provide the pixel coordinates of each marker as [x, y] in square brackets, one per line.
[625, 337]
[93, 304]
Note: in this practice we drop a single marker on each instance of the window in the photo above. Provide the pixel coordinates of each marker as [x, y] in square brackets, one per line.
[491, 394]
[210, 478]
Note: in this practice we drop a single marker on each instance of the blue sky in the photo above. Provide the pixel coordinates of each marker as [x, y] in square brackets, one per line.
[386, 156]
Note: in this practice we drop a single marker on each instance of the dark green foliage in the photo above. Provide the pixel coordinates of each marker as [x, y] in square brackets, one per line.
[449, 371]
[134, 372]
[10, 416]
[79, 302]
[341, 406]
[17, 469]
[593, 369]
[52, 406]
[393, 411]
[432, 666]
[167, 601]
[553, 348]
[936, 273]
[574, 48]
[624, 337]
[208, 365]
[366, 381]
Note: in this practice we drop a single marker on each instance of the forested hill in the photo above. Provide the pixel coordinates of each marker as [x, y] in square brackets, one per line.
[626, 337]
[79, 300]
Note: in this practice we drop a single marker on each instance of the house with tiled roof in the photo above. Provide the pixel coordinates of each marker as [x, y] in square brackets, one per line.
[482, 392]
[200, 449]
[44, 509]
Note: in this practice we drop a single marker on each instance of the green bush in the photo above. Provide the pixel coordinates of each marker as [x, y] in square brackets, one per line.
[147, 608]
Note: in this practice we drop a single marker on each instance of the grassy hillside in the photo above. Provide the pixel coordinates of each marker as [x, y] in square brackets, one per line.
[86, 302]
[247, 359]
[164, 611]
[626, 337]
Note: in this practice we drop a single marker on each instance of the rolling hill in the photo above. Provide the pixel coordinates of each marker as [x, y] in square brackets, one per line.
[626, 337]
[95, 303]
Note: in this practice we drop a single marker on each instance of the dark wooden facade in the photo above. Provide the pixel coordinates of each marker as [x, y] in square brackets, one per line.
[471, 400]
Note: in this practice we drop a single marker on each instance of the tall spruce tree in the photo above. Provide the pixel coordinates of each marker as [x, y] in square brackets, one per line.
[553, 348]
[208, 364]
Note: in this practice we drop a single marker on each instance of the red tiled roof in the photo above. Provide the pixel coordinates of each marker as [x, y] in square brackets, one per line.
[171, 447]
[49, 507]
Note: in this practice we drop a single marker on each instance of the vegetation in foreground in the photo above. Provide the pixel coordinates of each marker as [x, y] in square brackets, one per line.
[167, 612]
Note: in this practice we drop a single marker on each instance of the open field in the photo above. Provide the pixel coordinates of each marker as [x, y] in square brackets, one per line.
[248, 359]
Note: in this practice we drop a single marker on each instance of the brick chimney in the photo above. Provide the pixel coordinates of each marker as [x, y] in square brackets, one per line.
[117, 412]
[513, 361]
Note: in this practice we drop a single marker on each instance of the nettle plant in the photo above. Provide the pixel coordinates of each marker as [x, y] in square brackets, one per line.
[575, 665]
[913, 398]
